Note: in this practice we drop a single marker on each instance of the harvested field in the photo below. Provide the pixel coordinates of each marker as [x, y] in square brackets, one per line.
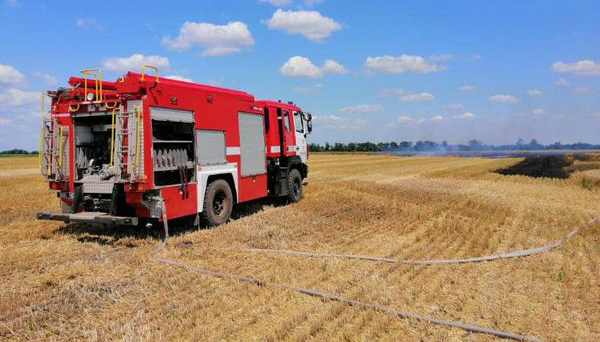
[74, 282]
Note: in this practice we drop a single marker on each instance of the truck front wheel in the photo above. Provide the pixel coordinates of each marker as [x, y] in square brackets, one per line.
[294, 186]
[218, 202]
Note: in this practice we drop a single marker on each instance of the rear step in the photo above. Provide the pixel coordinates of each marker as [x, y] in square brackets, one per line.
[91, 216]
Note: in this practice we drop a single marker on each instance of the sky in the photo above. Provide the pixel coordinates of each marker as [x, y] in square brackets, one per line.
[372, 70]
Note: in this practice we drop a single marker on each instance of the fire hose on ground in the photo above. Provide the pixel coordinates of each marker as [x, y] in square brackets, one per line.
[366, 305]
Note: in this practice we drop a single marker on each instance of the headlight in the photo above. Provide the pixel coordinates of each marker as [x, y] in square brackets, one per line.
[90, 96]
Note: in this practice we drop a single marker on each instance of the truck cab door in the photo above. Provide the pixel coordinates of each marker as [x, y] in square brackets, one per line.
[300, 131]
[288, 136]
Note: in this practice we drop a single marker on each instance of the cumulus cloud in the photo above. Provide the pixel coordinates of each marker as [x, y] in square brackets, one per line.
[179, 78]
[332, 67]
[308, 89]
[403, 96]
[401, 64]
[278, 3]
[467, 87]
[467, 115]
[299, 66]
[583, 90]
[583, 67]
[504, 98]
[535, 92]
[9, 74]
[215, 40]
[16, 97]
[336, 123]
[310, 24]
[135, 62]
[362, 108]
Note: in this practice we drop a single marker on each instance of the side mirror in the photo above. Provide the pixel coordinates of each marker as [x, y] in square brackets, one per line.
[309, 125]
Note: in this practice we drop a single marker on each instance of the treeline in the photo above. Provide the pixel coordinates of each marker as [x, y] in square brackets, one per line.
[427, 145]
[18, 151]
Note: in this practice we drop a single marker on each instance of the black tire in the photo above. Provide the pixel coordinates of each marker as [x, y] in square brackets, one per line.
[218, 202]
[294, 183]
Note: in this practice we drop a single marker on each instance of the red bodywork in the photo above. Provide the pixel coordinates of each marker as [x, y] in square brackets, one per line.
[214, 108]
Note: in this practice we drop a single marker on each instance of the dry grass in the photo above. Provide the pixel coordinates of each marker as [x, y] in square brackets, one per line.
[73, 282]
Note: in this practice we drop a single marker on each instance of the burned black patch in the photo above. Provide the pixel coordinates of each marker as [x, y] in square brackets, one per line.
[540, 166]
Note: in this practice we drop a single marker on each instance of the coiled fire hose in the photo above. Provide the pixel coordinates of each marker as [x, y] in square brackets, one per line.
[359, 304]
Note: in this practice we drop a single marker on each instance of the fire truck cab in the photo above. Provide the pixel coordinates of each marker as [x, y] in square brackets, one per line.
[145, 147]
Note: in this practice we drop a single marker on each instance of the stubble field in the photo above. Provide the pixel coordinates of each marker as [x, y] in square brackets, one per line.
[85, 282]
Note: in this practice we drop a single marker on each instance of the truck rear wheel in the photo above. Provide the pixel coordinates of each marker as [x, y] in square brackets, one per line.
[218, 202]
[294, 186]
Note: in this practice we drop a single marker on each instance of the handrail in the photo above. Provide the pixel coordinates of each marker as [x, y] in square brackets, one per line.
[150, 67]
[112, 138]
[60, 146]
[97, 73]
[138, 111]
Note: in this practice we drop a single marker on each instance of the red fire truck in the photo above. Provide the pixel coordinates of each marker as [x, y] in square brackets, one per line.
[123, 152]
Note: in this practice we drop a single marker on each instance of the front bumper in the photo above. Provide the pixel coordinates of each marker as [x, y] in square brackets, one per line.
[90, 217]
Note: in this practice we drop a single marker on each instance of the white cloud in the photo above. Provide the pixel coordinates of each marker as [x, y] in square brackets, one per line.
[4, 122]
[310, 24]
[400, 64]
[362, 108]
[456, 106]
[88, 23]
[535, 92]
[583, 67]
[561, 82]
[442, 57]
[179, 78]
[47, 78]
[332, 67]
[505, 98]
[336, 123]
[278, 3]
[467, 115]
[9, 74]
[16, 97]
[409, 120]
[299, 66]
[538, 111]
[216, 40]
[583, 90]
[424, 96]
[406, 97]
[467, 87]
[308, 89]
[135, 62]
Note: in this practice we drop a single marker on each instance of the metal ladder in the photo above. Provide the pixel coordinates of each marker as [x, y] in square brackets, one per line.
[127, 145]
[54, 160]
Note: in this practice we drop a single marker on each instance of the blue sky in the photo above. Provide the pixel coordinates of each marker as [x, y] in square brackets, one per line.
[368, 70]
